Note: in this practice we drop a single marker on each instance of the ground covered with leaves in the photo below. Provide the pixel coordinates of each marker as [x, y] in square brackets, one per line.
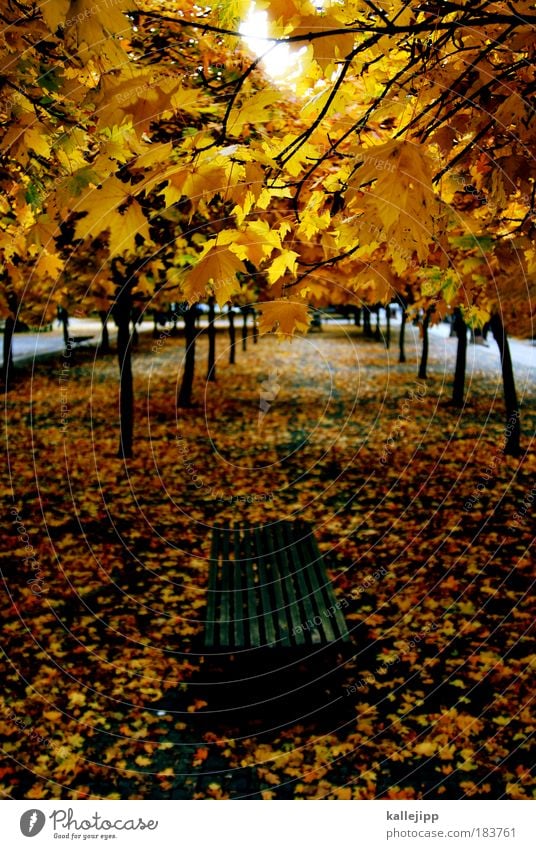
[424, 525]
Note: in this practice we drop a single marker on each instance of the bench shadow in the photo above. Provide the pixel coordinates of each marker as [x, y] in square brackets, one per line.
[265, 692]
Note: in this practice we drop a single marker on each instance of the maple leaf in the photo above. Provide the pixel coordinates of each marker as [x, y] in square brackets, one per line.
[257, 241]
[284, 317]
[89, 27]
[215, 273]
[254, 110]
[286, 261]
[48, 265]
[405, 202]
[55, 13]
[124, 228]
[112, 207]
[99, 204]
[200, 755]
[330, 48]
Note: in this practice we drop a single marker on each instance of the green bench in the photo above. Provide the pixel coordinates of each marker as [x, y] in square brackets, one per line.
[268, 589]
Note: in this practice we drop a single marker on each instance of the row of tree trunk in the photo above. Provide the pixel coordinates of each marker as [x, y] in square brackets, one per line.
[123, 310]
[513, 430]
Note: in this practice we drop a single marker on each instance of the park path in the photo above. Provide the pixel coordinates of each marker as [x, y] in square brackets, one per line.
[28, 346]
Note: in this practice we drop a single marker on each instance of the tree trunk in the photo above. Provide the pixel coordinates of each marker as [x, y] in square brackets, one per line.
[424, 357]
[244, 329]
[211, 369]
[122, 311]
[7, 363]
[105, 341]
[184, 398]
[174, 319]
[401, 337]
[513, 423]
[357, 317]
[458, 388]
[64, 318]
[367, 330]
[388, 328]
[255, 328]
[135, 317]
[377, 334]
[232, 337]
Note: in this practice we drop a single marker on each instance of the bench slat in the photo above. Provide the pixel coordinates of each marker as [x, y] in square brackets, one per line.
[278, 554]
[304, 595]
[267, 585]
[263, 564]
[226, 589]
[288, 588]
[238, 606]
[336, 613]
[319, 601]
[210, 625]
[253, 622]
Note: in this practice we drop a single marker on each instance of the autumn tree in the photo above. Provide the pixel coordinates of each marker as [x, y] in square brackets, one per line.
[402, 118]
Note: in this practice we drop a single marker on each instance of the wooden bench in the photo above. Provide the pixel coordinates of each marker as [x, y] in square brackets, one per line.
[268, 589]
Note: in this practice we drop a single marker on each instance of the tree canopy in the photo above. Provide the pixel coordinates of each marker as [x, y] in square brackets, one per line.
[398, 156]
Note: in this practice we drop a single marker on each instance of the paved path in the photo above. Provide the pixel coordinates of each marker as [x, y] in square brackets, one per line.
[523, 351]
[27, 346]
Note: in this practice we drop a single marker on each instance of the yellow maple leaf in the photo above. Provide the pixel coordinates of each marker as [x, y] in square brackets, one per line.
[164, 772]
[257, 241]
[284, 317]
[89, 31]
[48, 266]
[54, 13]
[141, 760]
[286, 261]
[407, 206]
[125, 227]
[283, 13]
[76, 698]
[376, 281]
[467, 765]
[254, 110]
[99, 203]
[329, 48]
[37, 141]
[214, 274]
[426, 748]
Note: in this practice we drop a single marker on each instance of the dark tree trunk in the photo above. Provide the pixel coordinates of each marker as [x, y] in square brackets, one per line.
[184, 398]
[135, 317]
[7, 363]
[424, 356]
[367, 329]
[388, 328]
[458, 388]
[174, 319]
[122, 311]
[64, 318]
[402, 336]
[211, 369]
[513, 423]
[244, 329]
[105, 341]
[232, 337]
[357, 317]
[255, 328]
[377, 333]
